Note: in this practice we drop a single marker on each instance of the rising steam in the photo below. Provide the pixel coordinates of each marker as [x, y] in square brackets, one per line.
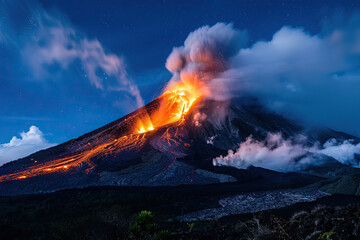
[281, 154]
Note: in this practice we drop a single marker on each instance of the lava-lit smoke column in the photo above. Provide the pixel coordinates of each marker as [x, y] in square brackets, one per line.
[204, 56]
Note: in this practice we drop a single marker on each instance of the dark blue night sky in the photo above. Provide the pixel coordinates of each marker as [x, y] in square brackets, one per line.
[57, 93]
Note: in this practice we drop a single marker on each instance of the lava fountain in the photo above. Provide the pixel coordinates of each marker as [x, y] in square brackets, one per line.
[177, 99]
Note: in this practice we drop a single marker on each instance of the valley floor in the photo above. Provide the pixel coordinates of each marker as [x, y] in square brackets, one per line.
[112, 213]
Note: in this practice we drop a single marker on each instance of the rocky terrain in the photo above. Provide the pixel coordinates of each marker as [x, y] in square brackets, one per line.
[255, 202]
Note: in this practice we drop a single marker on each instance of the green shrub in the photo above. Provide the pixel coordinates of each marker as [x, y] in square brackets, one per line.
[144, 226]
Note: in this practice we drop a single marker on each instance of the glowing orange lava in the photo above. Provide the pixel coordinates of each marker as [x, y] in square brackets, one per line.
[77, 160]
[144, 124]
[175, 104]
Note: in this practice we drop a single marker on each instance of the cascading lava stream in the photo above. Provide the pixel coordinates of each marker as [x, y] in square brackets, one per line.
[171, 107]
[175, 104]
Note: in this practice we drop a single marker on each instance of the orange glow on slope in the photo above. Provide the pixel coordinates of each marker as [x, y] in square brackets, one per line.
[77, 160]
[144, 124]
[176, 102]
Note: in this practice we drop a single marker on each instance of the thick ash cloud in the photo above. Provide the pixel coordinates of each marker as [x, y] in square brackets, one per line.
[207, 49]
[281, 154]
[29, 142]
[314, 77]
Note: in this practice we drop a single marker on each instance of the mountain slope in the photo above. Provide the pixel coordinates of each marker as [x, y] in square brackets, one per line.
[177, 153]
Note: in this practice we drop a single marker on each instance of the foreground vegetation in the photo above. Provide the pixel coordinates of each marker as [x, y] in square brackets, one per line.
[144, 213]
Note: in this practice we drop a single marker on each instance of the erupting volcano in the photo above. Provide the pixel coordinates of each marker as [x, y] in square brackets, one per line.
[186, 135]
[175, 139]
[170, 141]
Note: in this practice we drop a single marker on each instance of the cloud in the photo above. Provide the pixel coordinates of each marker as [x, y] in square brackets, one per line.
[51, 42]
[316, 77]
[313, 76]
[281, 154]
[29, 142]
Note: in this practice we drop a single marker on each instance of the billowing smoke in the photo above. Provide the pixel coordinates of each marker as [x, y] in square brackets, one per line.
[281, 154]
[273, 153]
[206, 53]
[207, 49]
[315, 77]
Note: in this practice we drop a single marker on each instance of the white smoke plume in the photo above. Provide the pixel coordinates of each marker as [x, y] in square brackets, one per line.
[58, 42]
[315, 77]
[53, 42]
[273, 153]
[30, 142]
[281, 154]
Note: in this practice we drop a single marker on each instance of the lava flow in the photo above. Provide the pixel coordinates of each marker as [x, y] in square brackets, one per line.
[170, 107]
[176, 102]
[81, 158]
